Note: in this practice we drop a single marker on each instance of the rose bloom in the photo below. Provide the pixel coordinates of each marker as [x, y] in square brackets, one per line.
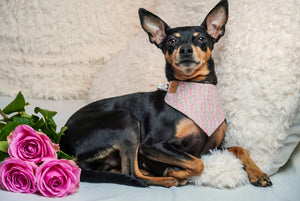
[29, 145]
[58, 178]
[18, 176]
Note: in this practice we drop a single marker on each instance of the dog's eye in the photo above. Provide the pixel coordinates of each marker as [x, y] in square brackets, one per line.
[201, 39]
[171, 41]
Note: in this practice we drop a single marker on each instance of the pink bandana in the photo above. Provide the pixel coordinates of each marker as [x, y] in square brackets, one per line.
[200, 103]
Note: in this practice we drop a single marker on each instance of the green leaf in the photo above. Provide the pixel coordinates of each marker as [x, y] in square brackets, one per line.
[47, 114]
[49, 131]
[3, 155]
[17, 105]
[63, 155]
[2, 125]
[63, 130]
[37, 124]
[25, 115]
[61, 133]
[4, 146]
[22, 120]
[35, 118]
[5, 117]
[7, 129]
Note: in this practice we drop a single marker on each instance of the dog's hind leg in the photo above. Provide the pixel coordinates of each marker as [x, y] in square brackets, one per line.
[120, 140]
[102, 140]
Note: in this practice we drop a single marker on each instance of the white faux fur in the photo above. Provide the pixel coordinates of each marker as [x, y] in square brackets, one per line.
[60, 50]
[221, 170]
[259, 78]
[52, 49]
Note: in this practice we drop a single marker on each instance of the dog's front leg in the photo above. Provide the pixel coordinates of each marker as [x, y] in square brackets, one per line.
[158, 181]
[180, 165]
[255, 175]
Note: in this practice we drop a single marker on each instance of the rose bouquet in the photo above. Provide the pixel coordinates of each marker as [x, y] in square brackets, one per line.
[34, 163]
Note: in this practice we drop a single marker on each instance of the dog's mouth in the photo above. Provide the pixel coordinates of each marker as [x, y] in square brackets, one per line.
[188, 66]
[187, 63]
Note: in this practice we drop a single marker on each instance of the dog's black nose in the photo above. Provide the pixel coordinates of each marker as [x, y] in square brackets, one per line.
[186, 50]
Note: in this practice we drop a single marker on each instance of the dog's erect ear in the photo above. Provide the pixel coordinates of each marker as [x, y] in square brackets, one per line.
[216, 20]
[154, 26]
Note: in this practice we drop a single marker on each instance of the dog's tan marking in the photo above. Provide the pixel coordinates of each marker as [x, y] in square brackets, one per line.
[201, 55]
[177, 35]
[186, 127]
[171, 59]
[196, 34]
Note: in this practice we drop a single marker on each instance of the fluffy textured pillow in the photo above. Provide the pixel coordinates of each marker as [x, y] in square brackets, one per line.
[52, 49]
[259, 81]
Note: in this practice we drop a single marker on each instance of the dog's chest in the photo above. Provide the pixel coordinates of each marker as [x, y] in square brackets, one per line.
[186, 127]
[190, 136]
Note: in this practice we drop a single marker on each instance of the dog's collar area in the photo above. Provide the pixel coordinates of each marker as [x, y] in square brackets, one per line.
[162, 87]
[171, 87]
[166, 86]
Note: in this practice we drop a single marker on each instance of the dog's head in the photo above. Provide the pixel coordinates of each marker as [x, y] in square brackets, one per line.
[187, 50]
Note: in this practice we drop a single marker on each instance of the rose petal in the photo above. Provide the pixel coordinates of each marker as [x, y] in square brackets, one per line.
[58, 178]
[27, 144]
[18, 176]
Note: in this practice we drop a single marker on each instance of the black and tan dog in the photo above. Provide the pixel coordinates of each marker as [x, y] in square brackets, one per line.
[139, 139]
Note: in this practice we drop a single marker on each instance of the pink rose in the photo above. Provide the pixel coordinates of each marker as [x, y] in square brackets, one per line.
[29, 145]
[58, 178]
[18, 176]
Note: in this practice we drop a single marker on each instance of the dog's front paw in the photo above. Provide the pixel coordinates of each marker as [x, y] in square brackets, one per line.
[260, 180]
[182, 182]
[171, 181]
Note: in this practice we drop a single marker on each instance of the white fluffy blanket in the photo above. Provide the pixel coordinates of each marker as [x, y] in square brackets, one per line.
[97, 49]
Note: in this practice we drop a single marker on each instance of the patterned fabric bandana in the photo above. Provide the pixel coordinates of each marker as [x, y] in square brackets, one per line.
[199, 102]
